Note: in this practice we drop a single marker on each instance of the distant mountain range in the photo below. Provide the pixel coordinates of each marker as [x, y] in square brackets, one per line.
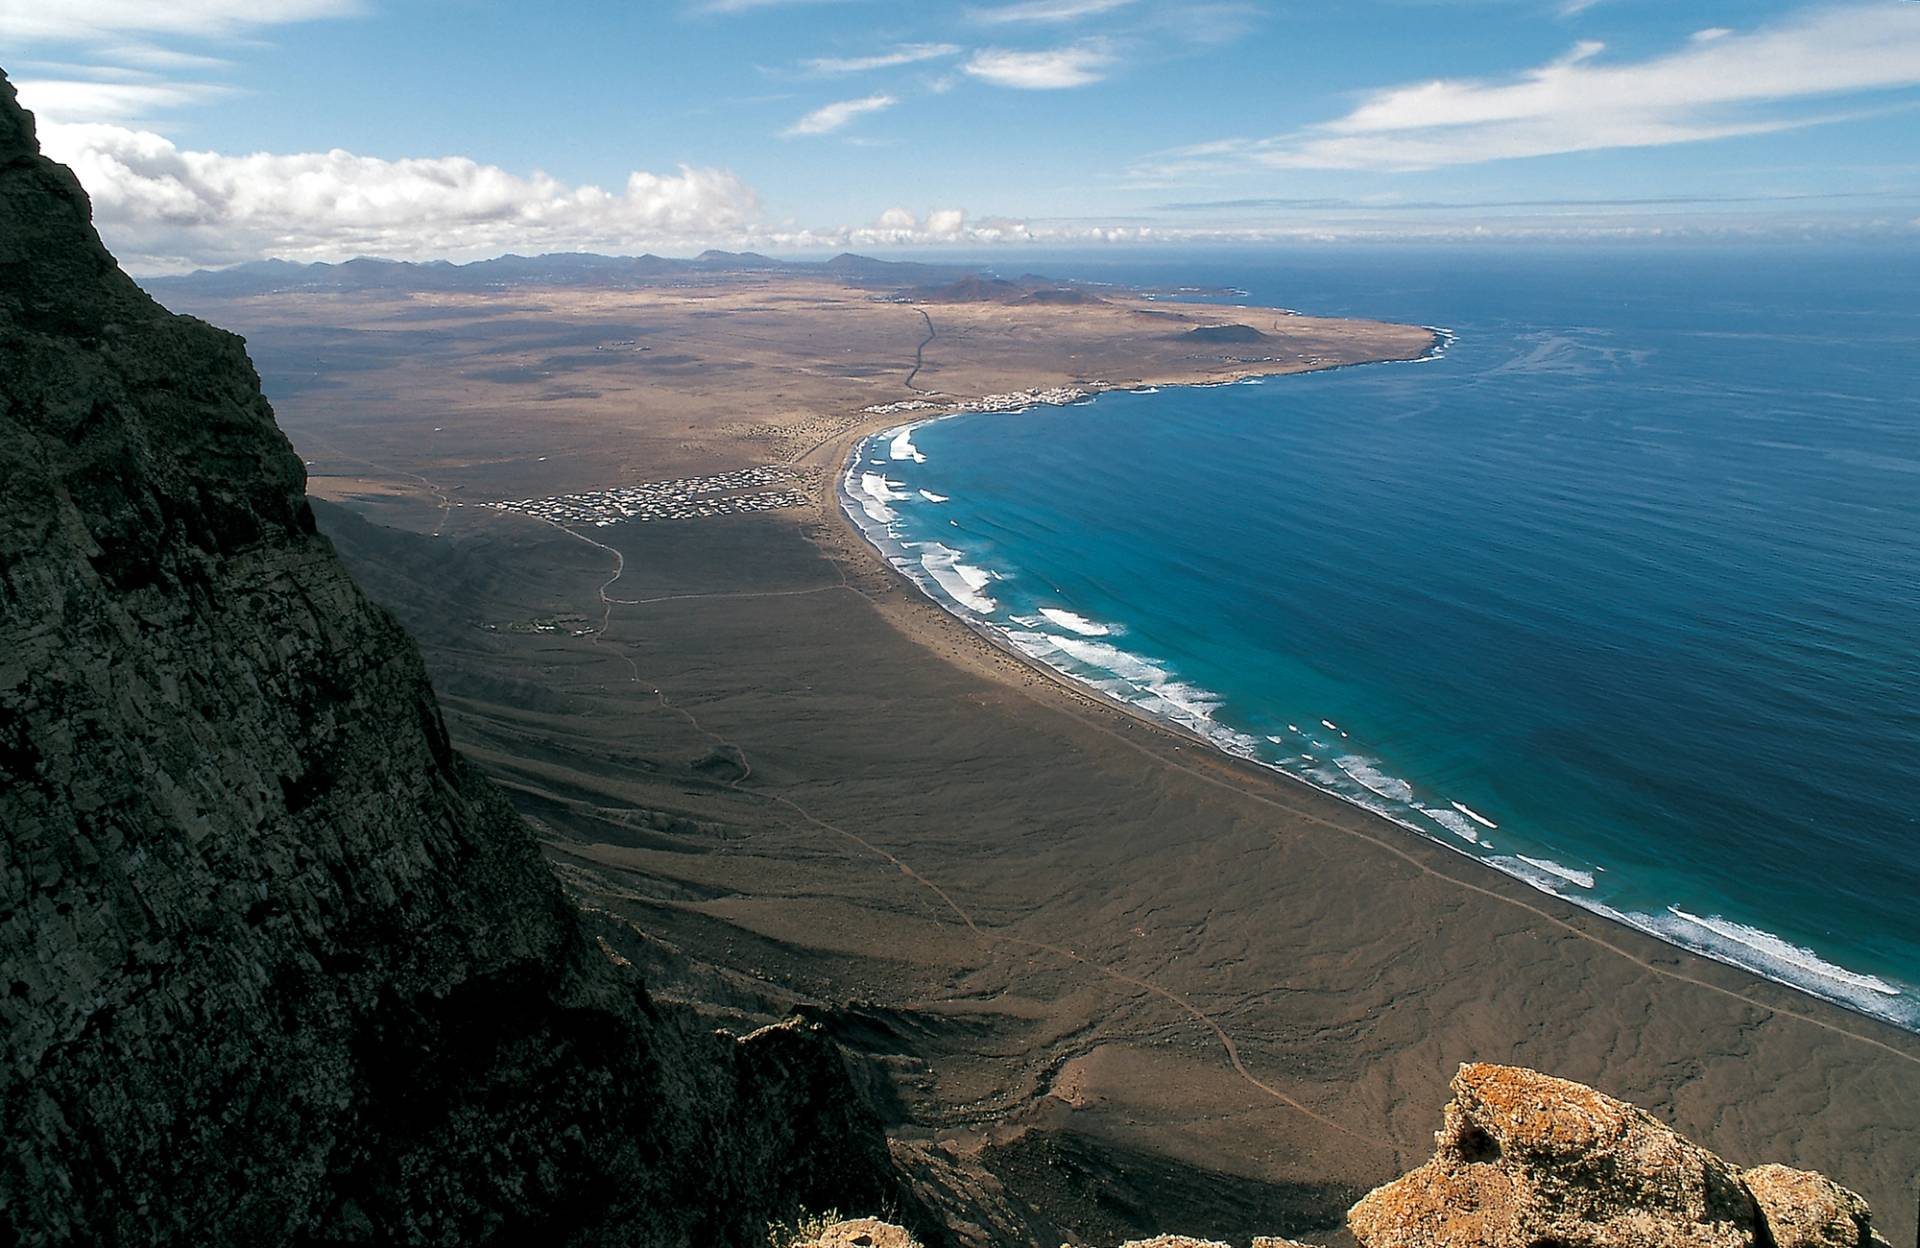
[558, 269]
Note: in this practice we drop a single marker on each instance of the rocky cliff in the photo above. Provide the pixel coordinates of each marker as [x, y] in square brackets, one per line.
[275, 964]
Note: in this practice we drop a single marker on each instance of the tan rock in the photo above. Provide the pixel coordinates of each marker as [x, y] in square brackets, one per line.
[862, 1233]
[1174, 1241]
[1807, 1210]
[1526, 1160]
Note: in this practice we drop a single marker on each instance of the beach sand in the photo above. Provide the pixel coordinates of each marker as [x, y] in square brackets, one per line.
[1115, 981]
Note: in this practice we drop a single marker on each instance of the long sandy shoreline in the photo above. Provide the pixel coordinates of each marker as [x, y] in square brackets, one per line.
[930, 610]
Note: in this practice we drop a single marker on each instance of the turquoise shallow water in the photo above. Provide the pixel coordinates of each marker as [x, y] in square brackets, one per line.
[1620, 595]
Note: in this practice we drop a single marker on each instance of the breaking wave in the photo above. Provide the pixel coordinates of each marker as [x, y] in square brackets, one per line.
[1076, 623]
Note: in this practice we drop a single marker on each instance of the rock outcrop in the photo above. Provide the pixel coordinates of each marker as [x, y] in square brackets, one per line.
[1802, 1209]
[276, 965]
[859, 1233]
[1525, 1160]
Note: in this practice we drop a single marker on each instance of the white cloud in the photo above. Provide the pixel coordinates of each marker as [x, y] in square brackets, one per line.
[161, 207]
[830, 117]
[32, 20]
[76, 100]
[1045, 10]
[899, 227]
[905, 54]
[1041, 71]
[162, 58]
[1712, 88]
[750, 6]
[946, 222]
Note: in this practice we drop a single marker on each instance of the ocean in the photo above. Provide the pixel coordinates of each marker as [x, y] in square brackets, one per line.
[1620, 594]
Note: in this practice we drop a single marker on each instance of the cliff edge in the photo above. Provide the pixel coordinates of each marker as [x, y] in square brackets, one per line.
[275, 964]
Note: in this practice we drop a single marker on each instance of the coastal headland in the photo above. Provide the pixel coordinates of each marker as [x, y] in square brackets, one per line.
[1114, 980]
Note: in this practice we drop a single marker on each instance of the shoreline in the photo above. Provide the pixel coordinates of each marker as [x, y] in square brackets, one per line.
[844, 466]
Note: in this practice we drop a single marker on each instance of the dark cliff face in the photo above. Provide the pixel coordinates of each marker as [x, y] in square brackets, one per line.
[275, 964]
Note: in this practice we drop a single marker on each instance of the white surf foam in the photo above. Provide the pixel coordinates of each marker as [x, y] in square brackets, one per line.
[902, 446]
[931, 497]
[1076, 623]
[1138, 681]
[962, 582]
[976, 578]
[1519, 863]
[1457, 824]
[1753, 942]
[876, 492]
[1474, 815]
[1367, 772]
[1443, 342]
[1765, 954]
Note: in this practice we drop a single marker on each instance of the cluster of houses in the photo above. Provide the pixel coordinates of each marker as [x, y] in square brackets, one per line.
[684, 498]
[1040, 397]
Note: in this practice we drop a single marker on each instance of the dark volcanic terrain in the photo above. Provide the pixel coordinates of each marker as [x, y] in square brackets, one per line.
[281, 966]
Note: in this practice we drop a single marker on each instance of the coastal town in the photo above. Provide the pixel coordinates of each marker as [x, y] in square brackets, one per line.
[739, 492]
[1010, 402]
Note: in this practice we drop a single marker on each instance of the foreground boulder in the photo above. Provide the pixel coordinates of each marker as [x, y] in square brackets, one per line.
[1802, 1209]
[276, 965]
[1525, 1160]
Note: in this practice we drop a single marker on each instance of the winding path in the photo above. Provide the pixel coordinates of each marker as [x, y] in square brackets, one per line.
[960, 912]
[920, 353]
[440, 496]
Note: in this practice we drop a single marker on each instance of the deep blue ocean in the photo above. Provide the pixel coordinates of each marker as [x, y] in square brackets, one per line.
[1620, 594]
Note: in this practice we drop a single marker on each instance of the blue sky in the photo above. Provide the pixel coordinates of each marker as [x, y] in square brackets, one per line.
[211, 131]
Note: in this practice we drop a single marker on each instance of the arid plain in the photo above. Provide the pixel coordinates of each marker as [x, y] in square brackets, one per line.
[1091, 958]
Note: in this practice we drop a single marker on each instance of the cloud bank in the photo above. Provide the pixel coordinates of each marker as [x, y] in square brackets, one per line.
[163, 208]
